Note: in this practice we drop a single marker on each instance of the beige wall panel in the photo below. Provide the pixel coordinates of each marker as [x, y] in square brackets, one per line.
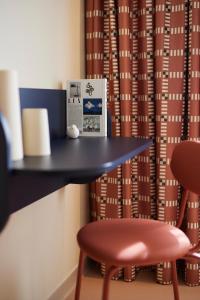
[43, 41]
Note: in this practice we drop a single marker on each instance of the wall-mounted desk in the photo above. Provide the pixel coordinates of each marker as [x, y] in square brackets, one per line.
[72, 160]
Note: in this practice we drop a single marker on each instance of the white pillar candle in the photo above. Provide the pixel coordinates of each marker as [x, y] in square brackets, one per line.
[36, 131]
[10, 108]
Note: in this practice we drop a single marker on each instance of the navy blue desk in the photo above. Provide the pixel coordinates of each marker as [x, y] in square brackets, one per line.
[72, 161]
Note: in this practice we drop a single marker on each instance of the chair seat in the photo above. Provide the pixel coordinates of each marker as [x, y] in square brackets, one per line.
[121, 242]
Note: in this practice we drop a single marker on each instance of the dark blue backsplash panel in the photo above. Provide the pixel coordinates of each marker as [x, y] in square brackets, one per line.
[54, 101]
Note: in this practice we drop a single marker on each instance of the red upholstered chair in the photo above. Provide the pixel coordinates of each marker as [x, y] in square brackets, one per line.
[123, 242]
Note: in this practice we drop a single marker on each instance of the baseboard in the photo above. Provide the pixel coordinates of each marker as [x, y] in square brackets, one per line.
[65, 288]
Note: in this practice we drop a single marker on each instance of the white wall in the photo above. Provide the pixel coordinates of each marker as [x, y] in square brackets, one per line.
[44, 41]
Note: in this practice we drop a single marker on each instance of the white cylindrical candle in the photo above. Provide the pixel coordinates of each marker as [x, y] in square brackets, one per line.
[10, 108]
[36, 131]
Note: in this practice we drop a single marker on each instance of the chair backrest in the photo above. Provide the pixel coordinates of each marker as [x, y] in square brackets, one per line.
[185, 165]
[5, 165]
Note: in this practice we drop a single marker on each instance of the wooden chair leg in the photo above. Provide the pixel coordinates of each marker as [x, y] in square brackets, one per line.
[79, 275]
[175, 281]
[106, 283]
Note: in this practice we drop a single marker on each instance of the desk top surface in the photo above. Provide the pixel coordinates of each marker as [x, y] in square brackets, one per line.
[83, 156]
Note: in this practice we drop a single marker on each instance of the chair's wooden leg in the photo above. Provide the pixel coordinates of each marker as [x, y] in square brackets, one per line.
[79, 275]
[109, 273]
[175, 281]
